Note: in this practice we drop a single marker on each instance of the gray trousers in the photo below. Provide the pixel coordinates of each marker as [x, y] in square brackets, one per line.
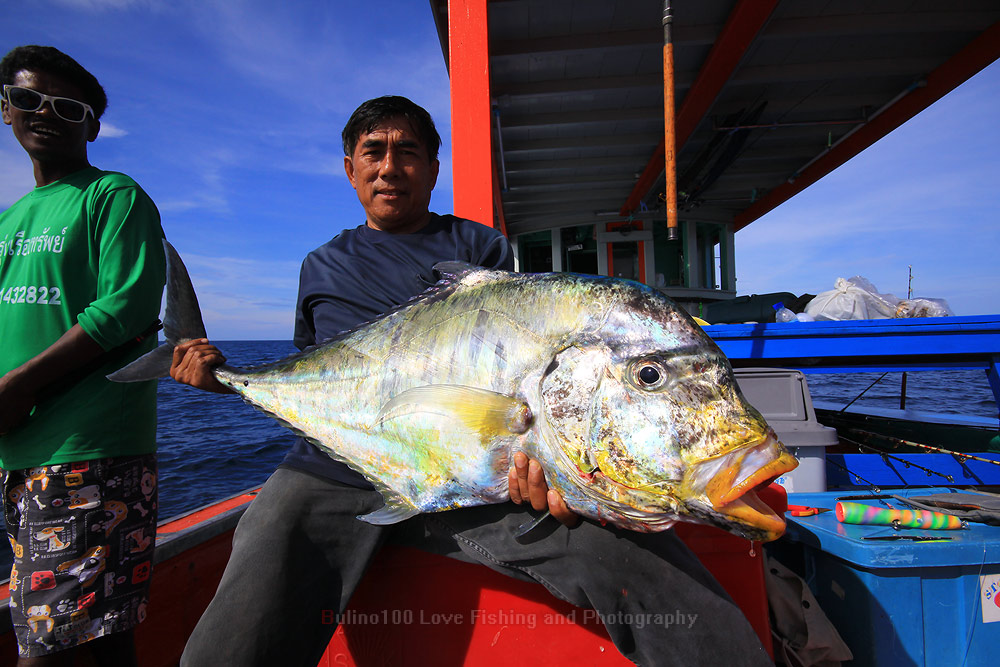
[299, 550]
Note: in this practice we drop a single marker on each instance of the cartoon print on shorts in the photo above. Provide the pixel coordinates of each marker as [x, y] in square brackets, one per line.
[53, 536]
[40, 613]
[65, 605]
[16, 496]
[100, 586]
[84, 498]
[40, 475]
[141, 572]
[42, 580]
[148, 483]
[87, 567]
[141, 509]
[110, 581]
[138, 541]
[115, 512]
[79, 629]
[73, 479]
[15, 547]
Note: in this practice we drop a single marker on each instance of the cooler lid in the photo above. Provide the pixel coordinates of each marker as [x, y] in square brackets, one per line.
[780, 394]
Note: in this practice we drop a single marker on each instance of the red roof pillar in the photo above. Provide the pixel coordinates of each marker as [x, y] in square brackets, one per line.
[472, 167]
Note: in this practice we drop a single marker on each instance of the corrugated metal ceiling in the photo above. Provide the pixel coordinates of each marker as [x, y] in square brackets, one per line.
[577, 92]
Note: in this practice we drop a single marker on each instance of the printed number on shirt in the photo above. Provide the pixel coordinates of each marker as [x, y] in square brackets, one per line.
[43, 296]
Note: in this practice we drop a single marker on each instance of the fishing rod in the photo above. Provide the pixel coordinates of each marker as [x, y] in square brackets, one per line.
[906, 464]
[961, 456]
[879, 379]
[874, 490]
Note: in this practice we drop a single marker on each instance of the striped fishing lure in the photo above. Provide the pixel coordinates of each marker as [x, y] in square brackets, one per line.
[868, 515]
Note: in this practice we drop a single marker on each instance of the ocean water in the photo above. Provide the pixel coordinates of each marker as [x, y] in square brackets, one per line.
[212, 446]
[944, 392]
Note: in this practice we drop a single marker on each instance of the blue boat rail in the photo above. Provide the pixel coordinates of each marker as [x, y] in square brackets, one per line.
[918, 344]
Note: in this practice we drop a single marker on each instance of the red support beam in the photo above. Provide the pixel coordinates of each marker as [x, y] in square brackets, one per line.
[472, 155]
[744, 23]
[974, 57]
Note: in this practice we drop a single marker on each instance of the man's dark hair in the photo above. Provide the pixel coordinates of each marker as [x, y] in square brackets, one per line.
[51, 60]
[371, 113]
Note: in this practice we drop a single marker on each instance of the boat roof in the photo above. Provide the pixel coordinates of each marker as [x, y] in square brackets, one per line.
[771, 95]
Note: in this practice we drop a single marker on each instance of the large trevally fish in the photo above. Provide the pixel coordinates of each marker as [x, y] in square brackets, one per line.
[630, 408]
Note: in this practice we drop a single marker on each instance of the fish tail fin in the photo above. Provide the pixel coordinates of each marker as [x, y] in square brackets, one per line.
[181, 322]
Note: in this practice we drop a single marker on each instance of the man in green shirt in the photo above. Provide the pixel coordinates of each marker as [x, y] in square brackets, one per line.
[81, 275]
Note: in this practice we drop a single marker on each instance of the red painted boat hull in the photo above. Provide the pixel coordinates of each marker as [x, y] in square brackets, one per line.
[417, 606]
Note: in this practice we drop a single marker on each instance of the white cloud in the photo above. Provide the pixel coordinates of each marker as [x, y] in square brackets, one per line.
[924, 196]
[244, 298]
[328, 58]
[109, 131]
[209, 191]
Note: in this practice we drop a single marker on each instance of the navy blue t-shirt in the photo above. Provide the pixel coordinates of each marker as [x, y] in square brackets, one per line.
[362, 273]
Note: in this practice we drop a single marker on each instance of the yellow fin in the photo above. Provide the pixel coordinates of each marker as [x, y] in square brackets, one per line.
[481, 410]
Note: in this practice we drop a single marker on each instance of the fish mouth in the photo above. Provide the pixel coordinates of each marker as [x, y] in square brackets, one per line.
[735, 478]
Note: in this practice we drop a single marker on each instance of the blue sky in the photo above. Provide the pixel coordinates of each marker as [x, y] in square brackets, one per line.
[228, 113]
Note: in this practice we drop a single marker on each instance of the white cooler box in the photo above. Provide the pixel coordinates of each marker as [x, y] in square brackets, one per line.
[782, 396]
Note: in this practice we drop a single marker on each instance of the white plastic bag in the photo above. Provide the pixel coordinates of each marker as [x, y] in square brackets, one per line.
[879, 305]
[923, 307]
[854, 299]
[858, 299]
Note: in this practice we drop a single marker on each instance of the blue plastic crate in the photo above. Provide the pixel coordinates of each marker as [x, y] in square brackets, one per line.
[899, 603]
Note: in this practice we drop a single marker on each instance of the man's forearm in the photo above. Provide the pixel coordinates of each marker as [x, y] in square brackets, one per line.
[20, 387]
[73, 350]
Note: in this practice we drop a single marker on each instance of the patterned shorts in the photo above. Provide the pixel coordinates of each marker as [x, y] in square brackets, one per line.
[83, 536]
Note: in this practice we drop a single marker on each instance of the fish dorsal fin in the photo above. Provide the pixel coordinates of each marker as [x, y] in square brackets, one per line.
[455, 271]
[485, 412]
[450, 272]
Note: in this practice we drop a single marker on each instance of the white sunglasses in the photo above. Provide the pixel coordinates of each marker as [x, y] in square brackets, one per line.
[26, 99]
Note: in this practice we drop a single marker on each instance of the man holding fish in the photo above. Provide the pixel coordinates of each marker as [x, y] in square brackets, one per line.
[300, 548]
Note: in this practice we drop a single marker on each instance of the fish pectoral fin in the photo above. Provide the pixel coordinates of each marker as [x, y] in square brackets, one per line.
[483, 411]
[394, 511]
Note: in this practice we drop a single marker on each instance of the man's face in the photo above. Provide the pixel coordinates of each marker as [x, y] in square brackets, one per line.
[46, 137]
[393, 176]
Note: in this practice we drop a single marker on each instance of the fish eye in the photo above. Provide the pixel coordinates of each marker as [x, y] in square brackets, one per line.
[648, 374]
